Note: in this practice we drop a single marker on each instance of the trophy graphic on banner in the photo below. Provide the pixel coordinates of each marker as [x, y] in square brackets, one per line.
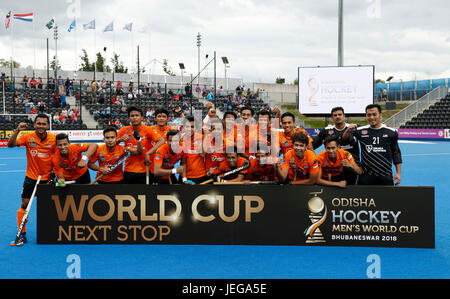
[318, 214]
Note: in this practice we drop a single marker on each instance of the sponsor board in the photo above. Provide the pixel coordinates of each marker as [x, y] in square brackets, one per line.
[373, 216]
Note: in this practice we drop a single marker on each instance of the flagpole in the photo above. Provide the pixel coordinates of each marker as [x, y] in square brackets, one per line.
[76, 45]
[114, 52]
[34, 46]
[95, 49]
[12, 47]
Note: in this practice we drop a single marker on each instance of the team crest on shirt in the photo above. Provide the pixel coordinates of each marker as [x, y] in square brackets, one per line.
[33, 144]
[293, 165]
[116, 157]
[102, 158]
[369, 148]
[364, 132]
[286, 144]
[330, 132]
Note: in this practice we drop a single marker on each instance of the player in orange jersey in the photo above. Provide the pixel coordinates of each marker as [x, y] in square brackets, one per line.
[194, 155]
[69, 163]
[135, 169]
[109, 154]
[262, 168]
[40, 146]
[335, 164]
[166, 157]
[232, 162]
[288, 124]
[299, 165]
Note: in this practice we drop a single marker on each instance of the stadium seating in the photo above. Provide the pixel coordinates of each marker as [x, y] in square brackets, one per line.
[35, 94]
[435, 117]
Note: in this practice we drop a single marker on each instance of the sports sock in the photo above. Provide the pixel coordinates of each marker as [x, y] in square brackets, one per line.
[20, 214]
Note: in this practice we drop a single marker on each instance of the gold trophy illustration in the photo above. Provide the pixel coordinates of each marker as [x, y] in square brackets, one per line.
[318, 215]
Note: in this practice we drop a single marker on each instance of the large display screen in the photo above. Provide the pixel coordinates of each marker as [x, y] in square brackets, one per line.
[323, 88]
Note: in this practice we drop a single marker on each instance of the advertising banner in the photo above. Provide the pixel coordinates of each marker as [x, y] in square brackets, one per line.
[421, 133]
[375, 216]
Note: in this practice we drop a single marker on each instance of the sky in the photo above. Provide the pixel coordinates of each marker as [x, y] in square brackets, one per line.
[262, 39]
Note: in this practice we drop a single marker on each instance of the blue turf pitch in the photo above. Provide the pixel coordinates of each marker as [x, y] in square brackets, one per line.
[424, 164]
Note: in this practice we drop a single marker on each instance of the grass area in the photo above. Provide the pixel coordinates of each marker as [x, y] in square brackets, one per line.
[319, 122]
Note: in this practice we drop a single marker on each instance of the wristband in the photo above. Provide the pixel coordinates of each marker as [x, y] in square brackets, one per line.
[174, 171]
[85, 158]
[184, 180]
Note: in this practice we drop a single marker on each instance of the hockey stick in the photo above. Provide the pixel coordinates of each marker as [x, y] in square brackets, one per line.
[17, 241]
[223, 175]
[128, 154]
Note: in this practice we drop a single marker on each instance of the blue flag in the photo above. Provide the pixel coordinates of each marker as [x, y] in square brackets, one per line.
[72, 26]
[90, 25]
[128, 27]
[110, 27]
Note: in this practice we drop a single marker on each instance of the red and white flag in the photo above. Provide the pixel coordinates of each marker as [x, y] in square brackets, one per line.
[7, 20]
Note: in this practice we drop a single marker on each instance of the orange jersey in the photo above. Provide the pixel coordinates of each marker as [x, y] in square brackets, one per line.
[134, 163]
[225, 167]
[214, 152]
[257, 173]
[335, 168]
[152, 137]
[107, 159]
[39, 154]
[195, 163]
[247, 135]
[69, 166]
[165, 158]
[301, 167]
[286, 141]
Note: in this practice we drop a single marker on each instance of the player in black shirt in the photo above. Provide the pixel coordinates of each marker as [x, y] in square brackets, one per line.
[338, 129]
[379, 149]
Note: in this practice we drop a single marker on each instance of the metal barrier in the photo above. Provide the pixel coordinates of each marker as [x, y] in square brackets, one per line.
[417, 107]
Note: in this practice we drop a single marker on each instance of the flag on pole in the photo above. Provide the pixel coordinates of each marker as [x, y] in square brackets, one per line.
[90, 25]
[7, 20]
[128, 27]
[50, 24]
[28, 17]
[72, 26]
[110, 27]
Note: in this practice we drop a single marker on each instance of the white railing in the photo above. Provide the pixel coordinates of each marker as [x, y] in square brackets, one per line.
[417, 107]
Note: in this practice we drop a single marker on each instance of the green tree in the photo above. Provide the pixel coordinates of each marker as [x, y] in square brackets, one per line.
[118, 66]
[379, 81]
[280, 81]
[296, 81]
[54, 65]
[167, 69]
[7, 63]
[86, 66]
[101, 65]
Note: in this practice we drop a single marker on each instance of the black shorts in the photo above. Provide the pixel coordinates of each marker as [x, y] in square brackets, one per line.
[375, 180]
[134, 178]
[28, 187]
[85, 179]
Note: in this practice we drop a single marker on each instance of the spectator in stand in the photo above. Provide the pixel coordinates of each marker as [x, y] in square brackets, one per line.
[221, 91]
[25, 82]
[51, 83]
[74, 119]
[96, 114]
[124, 108]
[57, 100]
[60, 83]
[62, 119]
[40, 84]
[210, 96]
[63, 100]
[41, 107]
[188, 90]
[56, 118]
[33, 83]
